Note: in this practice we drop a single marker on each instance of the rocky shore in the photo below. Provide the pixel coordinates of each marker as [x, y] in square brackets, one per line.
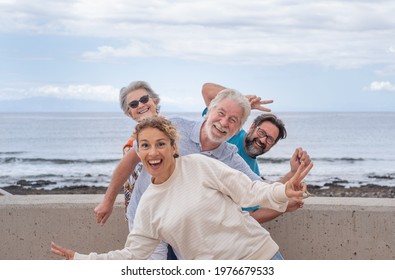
[369, 190]
[333, 189]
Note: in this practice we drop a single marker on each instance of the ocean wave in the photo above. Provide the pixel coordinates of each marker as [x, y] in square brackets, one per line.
[347, 159]
[382, 177]
[11, 153]
[46, 175]
[323, 159]
[55, 161]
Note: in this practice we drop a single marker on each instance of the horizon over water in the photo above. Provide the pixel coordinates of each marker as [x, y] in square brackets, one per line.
[73, 149]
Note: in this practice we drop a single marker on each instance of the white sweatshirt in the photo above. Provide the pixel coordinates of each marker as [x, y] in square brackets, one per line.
[198, 212]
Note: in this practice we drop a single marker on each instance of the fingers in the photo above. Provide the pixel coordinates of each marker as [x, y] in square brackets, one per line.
[306, 171]
[256, 103]
[301, 155]
[296, 194]
[57, 250]
[294, 204]
[55, 246]
[101, 218]
[295, 187]
[304, 156]
[264, 109]
[262, 102]
[63, 252]
[101, 215]
[303, 188]
[259, 107]
[299, 202]
[301, 172]
[296, 176]
[295, 155]
[254, 98]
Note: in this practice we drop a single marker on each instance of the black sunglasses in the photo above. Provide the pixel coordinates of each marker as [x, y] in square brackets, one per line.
[135, 103]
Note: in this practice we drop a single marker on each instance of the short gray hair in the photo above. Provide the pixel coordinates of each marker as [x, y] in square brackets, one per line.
[123, 94]
[237, 97]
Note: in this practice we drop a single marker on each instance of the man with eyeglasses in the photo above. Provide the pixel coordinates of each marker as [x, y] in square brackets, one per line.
[265, 131]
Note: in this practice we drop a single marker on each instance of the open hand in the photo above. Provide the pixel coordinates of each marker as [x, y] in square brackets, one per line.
[103, 212]
[63, 252]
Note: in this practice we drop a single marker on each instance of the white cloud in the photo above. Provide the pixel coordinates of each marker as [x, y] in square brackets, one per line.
[388, 70]
[336, 33]
[381, 86]
[81, 92]
[134, 49]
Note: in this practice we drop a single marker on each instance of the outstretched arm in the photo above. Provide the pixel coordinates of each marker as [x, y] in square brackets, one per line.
[121, 173]
[210, 91]
[137, 246]
[264, 215]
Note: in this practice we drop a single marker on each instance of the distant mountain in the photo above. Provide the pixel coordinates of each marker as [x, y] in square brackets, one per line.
[42, 104]
[48, 104]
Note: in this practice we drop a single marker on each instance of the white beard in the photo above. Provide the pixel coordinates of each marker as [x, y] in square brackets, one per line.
[211, 136]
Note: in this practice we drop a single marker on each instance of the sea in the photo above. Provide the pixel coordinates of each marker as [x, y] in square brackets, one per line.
[60, 150]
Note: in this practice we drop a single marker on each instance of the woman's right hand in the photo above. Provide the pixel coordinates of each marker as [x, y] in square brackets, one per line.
[63, 252]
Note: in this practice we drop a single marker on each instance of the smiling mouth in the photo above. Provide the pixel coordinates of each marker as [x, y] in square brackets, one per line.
[220, 129]
[143, 110]
[155, 163]
[259, 144]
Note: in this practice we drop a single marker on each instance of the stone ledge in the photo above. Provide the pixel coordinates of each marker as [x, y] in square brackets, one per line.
[326, 228]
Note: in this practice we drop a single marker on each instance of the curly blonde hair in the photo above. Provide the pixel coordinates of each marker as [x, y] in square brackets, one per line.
[161, 124]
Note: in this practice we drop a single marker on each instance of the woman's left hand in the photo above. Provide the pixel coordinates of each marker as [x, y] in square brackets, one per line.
[295, 187]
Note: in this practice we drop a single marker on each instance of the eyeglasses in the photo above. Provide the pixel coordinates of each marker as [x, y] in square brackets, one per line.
[135, 103]
[262, 134]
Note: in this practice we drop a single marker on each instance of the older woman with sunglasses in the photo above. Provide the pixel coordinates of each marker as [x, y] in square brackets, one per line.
[138, 101]
[193, 203]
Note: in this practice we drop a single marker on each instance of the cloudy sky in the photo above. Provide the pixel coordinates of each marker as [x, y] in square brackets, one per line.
[307, 55]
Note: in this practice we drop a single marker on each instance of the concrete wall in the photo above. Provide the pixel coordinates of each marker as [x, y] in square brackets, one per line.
[326, 228]
[29, 224]
[338, 229]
